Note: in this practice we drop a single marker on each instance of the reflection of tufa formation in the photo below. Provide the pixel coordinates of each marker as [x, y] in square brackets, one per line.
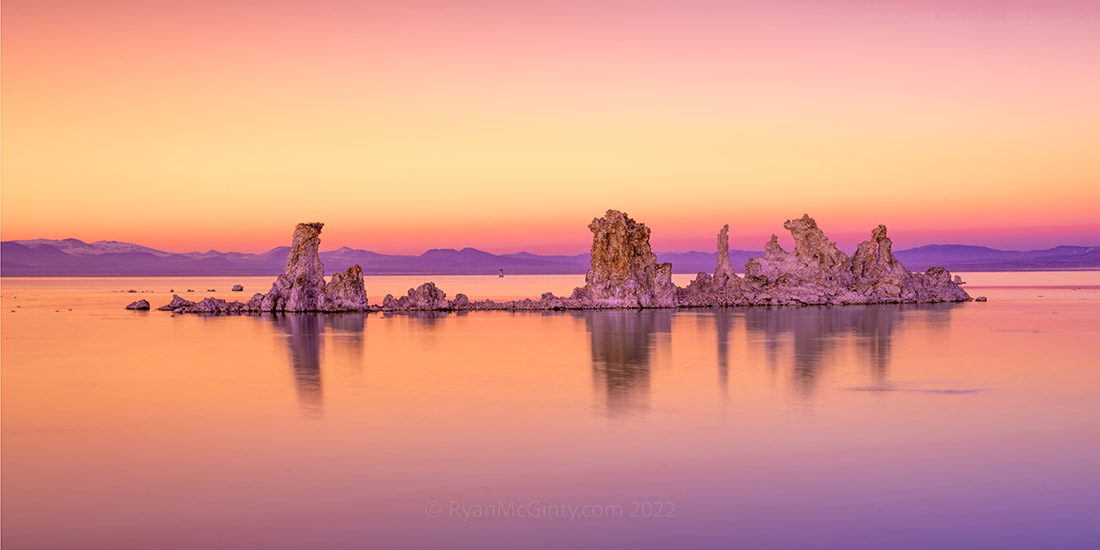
[625, 274]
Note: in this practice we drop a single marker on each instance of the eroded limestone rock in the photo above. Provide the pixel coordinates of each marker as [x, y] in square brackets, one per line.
[345, 291]
[724, 265]
[817, 272]
[624, 273]
[624, 270]
[426, 297]
[175, 304]
[301, 286]
[724, 288]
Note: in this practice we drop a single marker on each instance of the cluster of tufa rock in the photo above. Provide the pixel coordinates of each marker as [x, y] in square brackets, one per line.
[819, 273]
[301, 287]
[624, 273]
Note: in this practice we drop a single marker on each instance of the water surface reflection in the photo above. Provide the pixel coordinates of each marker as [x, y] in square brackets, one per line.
[305, 342]
[799, 342]
[814, 335]
[621, 342]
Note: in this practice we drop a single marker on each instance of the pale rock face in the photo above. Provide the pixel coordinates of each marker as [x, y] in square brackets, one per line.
[213, 306]
[724, 265]
[816, 272]
[811, 245]
[936, 285]
[141, 305]
[345, 292]
[877, 276]
[819, 273]
[255, 303]
[461, 301]
[427, 296]
[876, 273]
[815, 261]
[175, 304]
[724, 288]
[624, 271]
[301, 286]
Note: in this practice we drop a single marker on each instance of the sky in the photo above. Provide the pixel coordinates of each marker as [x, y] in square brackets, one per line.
[509, 125]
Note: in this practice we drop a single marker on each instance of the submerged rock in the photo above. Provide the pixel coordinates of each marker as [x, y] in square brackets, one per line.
[624, 270]
[139, 305]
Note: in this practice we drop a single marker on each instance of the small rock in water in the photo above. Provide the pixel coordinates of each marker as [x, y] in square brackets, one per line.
[238, 288]
[132, 291]
[139, 305]
[211, 290]
[190, 290]
[981, 299]
[171, 290]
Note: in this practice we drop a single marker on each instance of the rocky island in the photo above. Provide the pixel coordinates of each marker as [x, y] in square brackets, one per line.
[624, 273]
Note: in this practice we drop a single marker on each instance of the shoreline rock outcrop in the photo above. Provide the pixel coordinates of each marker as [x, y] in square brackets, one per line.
[302, 284]
[300, 288]
[624, 274]
[624, 270]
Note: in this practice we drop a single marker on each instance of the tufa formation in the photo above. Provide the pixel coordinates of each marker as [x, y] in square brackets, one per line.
[624, 273]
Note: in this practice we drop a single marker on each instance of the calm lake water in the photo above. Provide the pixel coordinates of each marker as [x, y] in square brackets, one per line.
[961, 425]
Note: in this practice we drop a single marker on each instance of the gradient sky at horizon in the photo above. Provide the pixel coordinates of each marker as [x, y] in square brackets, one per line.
[509, 125]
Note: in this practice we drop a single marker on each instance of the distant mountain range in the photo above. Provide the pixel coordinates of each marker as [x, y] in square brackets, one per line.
[73, 257]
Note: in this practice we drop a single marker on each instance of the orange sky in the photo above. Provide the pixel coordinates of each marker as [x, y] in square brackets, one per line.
[509, 125]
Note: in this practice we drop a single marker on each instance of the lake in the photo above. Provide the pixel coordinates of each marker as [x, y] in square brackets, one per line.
[951, 425]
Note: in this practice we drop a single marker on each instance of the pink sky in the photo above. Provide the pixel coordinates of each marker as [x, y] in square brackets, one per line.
[509, 125]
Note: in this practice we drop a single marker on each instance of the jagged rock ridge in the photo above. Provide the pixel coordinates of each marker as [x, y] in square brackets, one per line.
[624, 273]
